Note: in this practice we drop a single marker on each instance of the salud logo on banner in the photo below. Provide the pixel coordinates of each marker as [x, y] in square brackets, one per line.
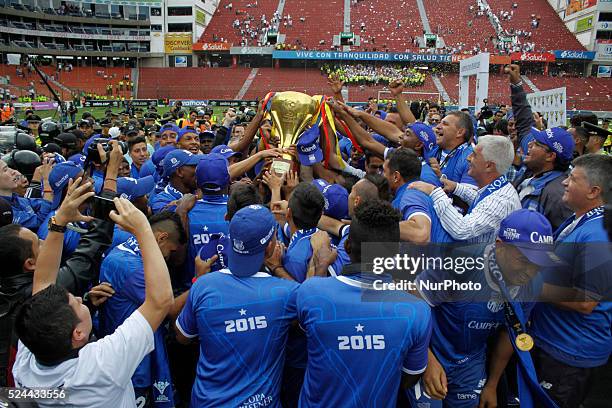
[533, 56]
[574, 55]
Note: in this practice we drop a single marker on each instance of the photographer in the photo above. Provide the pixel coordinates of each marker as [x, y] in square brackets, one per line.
[19, 251]
[54, 327]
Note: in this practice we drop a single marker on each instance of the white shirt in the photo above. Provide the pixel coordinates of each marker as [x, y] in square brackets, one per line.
[100, 376]
[481, 225]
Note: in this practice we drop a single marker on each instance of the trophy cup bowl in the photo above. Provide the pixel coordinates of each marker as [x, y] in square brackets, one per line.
[291, 113]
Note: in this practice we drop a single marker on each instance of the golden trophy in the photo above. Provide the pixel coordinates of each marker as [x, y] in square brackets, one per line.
[291, 114]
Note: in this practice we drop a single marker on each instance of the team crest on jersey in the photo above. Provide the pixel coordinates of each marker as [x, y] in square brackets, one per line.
[161, 386]
[494, 306]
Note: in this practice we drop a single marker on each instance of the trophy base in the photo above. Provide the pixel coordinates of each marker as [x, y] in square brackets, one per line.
[281, 166]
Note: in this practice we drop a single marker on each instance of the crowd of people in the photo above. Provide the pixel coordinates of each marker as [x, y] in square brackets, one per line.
[360, 74]
[188, 260]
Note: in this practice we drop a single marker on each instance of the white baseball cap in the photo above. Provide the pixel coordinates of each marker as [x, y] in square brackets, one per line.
[114, 132]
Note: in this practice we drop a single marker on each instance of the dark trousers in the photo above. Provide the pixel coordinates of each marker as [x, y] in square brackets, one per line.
[567, 386]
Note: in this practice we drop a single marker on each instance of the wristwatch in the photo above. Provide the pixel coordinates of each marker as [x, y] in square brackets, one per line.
[55, 227]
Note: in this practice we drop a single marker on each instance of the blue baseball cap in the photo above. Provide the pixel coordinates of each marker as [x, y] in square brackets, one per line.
[59, 176]
[182, 132]
[169, 126]
[382, 114]
[336, 199]
[531, 233]
[88, 142]
[559, 140]
[78, 159]
[308, 148]
[131, 188]
[225, 151]
[212, 173]
[250, 231]
[425, 134]
[218, 244]
[158, 157]
[179, 158]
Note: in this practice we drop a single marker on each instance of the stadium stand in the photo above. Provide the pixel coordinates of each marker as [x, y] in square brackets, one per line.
[551, 33]
[392, 26]
[191, 83]
[307, 80]
[451, 20]
[322, 19]
[582, 93]
[221, 28]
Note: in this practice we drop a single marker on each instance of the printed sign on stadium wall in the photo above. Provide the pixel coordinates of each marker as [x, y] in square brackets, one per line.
[361, 56]
[178, 43]
[584, 24]
[552, 103]
[574, 6]
[533, 56]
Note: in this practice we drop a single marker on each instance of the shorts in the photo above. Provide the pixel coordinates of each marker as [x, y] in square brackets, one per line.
[465, 383]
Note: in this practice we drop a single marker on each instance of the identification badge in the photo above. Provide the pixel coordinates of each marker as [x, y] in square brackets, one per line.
[524, 342]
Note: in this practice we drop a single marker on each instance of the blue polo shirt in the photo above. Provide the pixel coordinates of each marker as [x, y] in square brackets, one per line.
[573, 338]
[456, 166]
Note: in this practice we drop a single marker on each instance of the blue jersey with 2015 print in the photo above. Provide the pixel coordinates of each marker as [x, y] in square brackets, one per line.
[206, 219]
[242, 324]
[358, 349]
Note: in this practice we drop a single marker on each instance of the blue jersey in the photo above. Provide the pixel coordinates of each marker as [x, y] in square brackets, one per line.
[30, 213]
[124, 270]
[298, 254]
[413, 202]
[357, 350]
[578, 339]
[429, 176]
[465, 319]
[454, 163]
[71, 238]
[134, 171]
[160, 201]
[205, 219]
[242, 324]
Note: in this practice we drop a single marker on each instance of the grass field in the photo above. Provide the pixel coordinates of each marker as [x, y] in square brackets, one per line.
[99, 112]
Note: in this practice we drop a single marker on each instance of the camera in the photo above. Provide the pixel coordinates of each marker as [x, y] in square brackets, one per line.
[92, 151]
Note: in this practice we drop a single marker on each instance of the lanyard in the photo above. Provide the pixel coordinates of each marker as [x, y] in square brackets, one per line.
[528, 384]
[449, 155]
[594, 214]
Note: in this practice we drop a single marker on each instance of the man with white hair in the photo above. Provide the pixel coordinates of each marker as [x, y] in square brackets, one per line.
[491, 201]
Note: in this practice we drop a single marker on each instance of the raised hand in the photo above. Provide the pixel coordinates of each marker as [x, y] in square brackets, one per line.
[76, 195]
[335, 83]
[396, 87]
[514, 73]
[128, 217]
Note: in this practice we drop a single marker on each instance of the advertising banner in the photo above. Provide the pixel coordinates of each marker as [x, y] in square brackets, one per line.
[574, 55]
[178, 43]
[362, 56]
[533, 56]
